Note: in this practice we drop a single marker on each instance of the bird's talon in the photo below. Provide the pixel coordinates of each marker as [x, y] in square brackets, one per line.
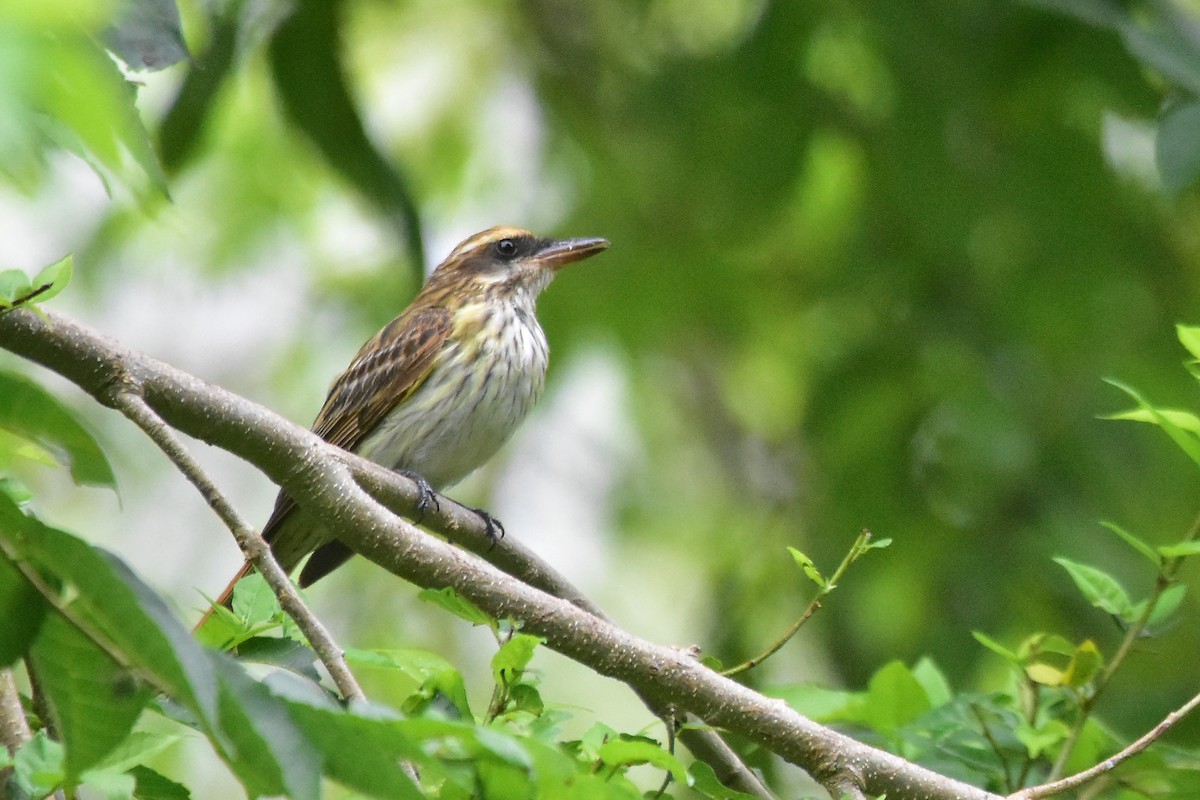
[492, 527]
[426, 497]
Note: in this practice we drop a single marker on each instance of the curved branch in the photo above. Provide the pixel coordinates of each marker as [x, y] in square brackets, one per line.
[464, 527]
[131, 404]
[313, 472]
[1110, 763]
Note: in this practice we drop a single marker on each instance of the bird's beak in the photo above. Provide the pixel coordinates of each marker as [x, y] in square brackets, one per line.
[556, 254]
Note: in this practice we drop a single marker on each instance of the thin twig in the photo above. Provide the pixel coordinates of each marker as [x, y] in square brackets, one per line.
[991, 740]
[32, 294]
[1080, 778]
[252, 544]
[827, 586]
[1166, 577]
[813, 607]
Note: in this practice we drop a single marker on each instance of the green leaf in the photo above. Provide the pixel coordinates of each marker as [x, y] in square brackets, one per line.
[1168, 603]
[1042, 643]
[150, 785]
[1181, 549]
[22, 609]
[38, 765]
[1095, 743]
[14, 285]
[428, 677]
[810, 569]
[497, 779]
[1038, 740]
[704, 780]
[224, 630]
[94, 700]
[1186, 441]
[1134, 542]
[15, 491]
[623, 752]
[136, 748]
[818, 703]
[113, 785]
[1093, 12]
[526, 698]
[1085, 663]
[53, 278]
[120, 608]
[247, 726]
[1184, 420]
[1189, 337]
[933, 681]
[446, 692]
[32, 412]
[419, 664]
[503, 747]
[365, 754]
[99, 109]
[1098, 587]
[14, 446]
[253, 600]
[456, 604]
[513, 656]
[264, 743]
[894, 698]
[593, 738]
[997, 648]
[1175, 152]
[280, 652]
[1045, 674]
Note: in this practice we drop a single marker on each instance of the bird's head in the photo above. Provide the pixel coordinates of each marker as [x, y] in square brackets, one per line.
[511, 260]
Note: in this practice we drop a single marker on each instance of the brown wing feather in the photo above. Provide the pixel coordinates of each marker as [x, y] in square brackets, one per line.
[386, 370]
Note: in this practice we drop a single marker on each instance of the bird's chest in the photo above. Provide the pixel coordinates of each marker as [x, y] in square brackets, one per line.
[490, 375]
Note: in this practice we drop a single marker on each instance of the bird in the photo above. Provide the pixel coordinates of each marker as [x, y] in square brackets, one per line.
[438, 390]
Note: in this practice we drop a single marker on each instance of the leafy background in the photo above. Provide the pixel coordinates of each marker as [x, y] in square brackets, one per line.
[870, 263]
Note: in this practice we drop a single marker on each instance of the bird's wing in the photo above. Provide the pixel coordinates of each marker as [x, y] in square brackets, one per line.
[388, 368]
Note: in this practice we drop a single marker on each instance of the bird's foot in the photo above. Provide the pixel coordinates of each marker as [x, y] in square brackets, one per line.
[426, 496]
[492, 527]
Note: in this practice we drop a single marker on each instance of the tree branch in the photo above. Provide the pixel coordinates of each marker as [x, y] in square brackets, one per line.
[255, 548]
[318, 477]
[1110, 763]
[463, 526]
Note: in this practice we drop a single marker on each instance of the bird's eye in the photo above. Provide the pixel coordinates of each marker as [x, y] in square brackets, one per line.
[506, 248]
